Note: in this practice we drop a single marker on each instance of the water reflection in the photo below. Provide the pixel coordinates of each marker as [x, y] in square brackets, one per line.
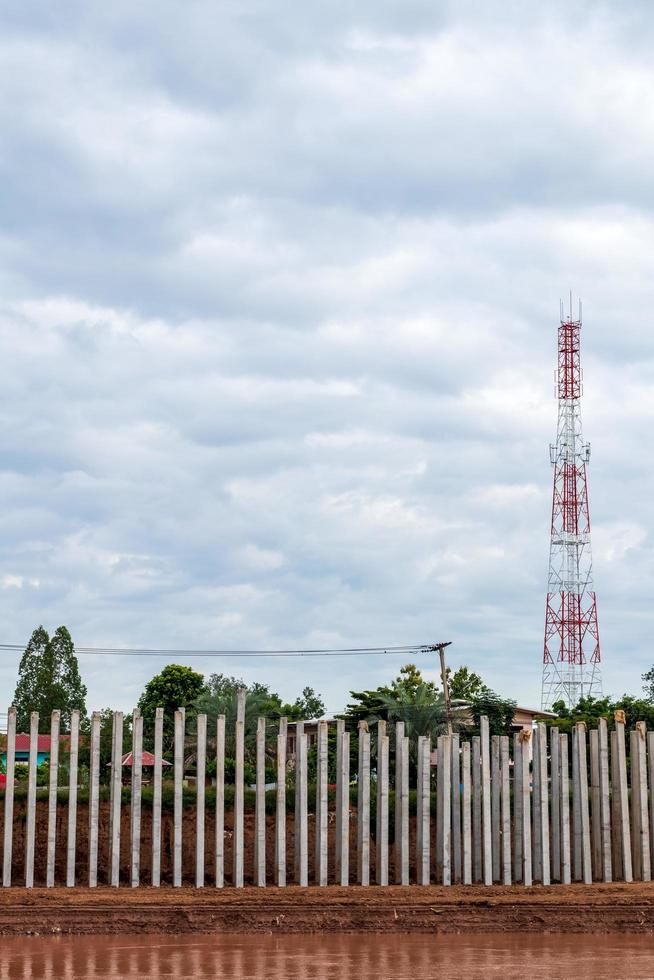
[366, 957]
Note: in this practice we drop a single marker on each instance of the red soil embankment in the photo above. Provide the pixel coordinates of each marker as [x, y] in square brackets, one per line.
[596, 908]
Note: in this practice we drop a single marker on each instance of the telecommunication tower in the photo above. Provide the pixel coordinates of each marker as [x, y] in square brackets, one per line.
[571, 660]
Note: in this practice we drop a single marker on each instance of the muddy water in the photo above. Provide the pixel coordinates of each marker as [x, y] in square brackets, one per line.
[365, 957]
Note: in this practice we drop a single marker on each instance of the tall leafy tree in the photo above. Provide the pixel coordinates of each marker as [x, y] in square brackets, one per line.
[49, 679]
[174, 687]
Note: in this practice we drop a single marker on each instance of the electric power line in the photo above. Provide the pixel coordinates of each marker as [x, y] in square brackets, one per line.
[146, 652]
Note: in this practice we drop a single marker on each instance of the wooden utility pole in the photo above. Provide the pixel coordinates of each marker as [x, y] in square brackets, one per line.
[440, 647]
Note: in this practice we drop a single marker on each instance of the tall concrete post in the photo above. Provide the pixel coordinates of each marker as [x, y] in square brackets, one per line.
[219, 842]
[53, 781]
[486, 802]
[382, 805]
[397, 841]
[338, 817]
[525, 822]
[422, 814]
[301, 827]
[116, 797]
[623, 798]
[280, 821]
[447, 811]
[178, 796]
[639, 777]
[496, 832]
[477, 849]
[616, 843]
[566, 869]
[582, 780]
[594, 793]
[650, 764]
[604, 800]
[363, 806]
[505, 809]
[135, 810]
[260, 807]
[403, 848]
[94, 797]
[31, 800]
[239, 789]
[201, 776]
[321, 806]
[517, 808]
[156, 797]
[299, 732]
[7, 852]
[555, 792]
[456, 809]
[73, 765]
[344, 856]
[466, 814]
[440, 797]
[544, 835]
[536, 821]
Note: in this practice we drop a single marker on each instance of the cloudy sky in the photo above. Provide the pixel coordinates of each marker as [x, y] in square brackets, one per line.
[279, 295]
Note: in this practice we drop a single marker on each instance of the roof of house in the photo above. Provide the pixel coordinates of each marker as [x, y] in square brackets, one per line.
[147, 759]
[42, 743]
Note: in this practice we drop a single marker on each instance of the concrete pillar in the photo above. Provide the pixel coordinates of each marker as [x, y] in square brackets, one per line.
[363, 806]
[595, 821]
[440, 794]
[397, 848]
[543, 809]
[582, 778]
[422, 814]
[53, 782]
[403, 840]
[639, 778]
[73, 761]
[604, 800]
[616, 834]
[219, 841]
[517, 808]
[555, 791]
[577, 858]
[94, 797]
[536, 822]
[31, 800]
[7, 852]
[239, 789]
[116, 799]
[505, 810]
[135, 810]
[466, 818]
[447, 811]
[525, 822]
[382, 805]
[566, 871]
[623, 797]
[321, 869]
[486, 802]
[301, 827]
[178, 797]
[650, 767]
[280, 817]
[260, 807]
[344, 856]
[201, 775]
[456, 809]
[299, 732]
[156, 797]
[340, 729]
[477, 851]
[495, 806]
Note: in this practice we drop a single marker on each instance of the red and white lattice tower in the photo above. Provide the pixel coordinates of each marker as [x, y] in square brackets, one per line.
[571, 661]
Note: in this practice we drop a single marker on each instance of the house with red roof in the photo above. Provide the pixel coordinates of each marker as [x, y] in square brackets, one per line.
[23, 747]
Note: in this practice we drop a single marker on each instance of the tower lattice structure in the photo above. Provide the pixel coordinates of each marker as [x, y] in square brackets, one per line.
[571, 660]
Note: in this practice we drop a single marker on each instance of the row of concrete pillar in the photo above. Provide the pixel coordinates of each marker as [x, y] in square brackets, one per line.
[498, 819]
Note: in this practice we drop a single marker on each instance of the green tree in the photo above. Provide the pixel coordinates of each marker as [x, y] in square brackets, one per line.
[308, 706]
[465, 684]
[175, 687]
[499, 711]
[648, 686]
[49, 679]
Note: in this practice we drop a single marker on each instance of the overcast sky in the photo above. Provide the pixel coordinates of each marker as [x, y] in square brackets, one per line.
[280, 287]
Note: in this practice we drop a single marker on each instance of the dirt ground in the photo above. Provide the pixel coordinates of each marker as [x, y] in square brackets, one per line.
[597, 908]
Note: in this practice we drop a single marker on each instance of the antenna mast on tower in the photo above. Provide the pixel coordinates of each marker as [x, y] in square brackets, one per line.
[572, 649]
